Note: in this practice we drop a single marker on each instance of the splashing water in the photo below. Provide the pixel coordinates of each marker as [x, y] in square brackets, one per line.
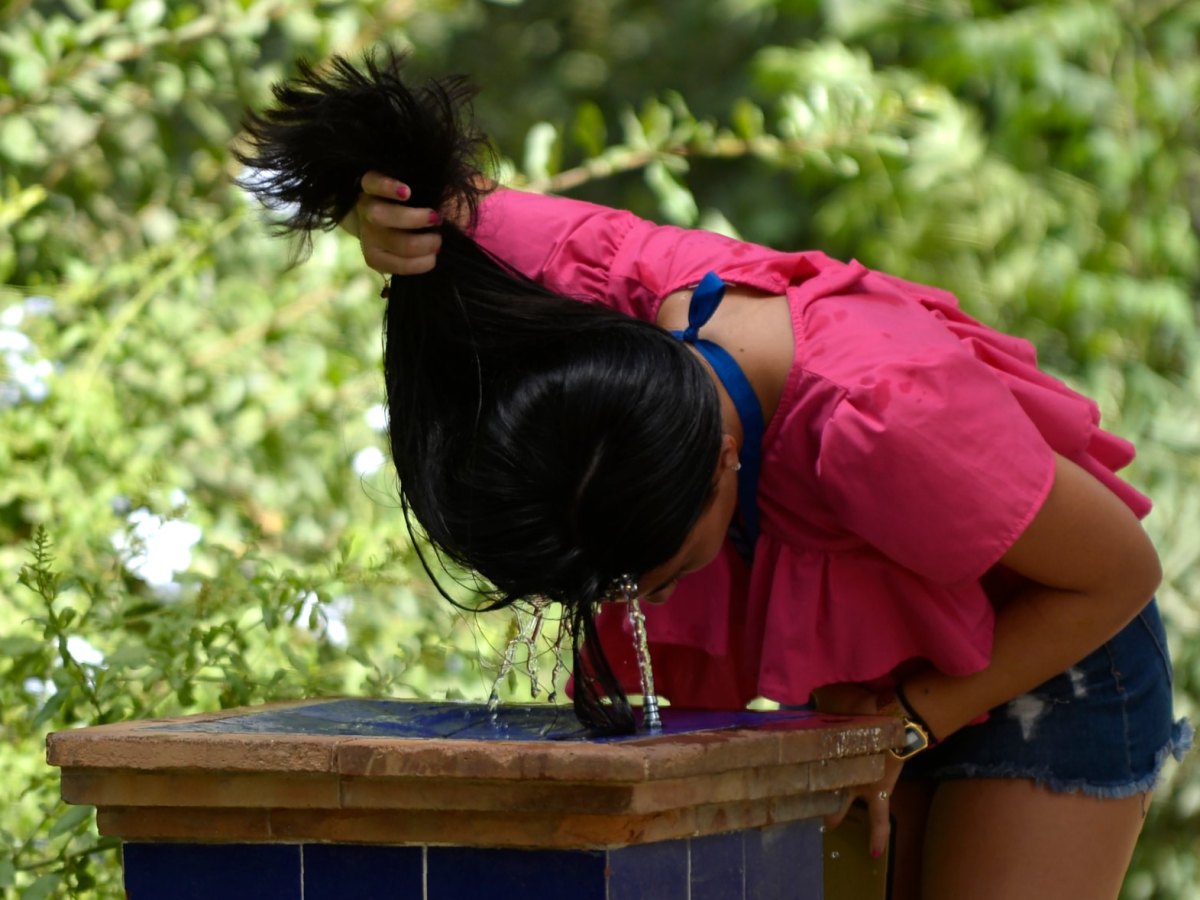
[529, 629]
[537, 617]
[651, 719]
[560, 664]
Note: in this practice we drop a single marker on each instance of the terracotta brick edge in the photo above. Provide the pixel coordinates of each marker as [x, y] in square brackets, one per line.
[138, 746]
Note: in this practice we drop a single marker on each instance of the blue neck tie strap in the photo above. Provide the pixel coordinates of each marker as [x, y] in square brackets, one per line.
[705, 300]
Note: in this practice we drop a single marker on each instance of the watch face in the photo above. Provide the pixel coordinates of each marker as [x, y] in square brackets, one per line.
[915, 740]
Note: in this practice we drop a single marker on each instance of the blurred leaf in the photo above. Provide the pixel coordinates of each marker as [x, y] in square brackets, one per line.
[540, 151]
[674, 198]
[20, 143]
[18, 645]
[42, 887]
[73, 817]
[589, 130]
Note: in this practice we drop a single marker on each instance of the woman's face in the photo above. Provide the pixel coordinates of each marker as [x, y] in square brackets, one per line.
[704, 541]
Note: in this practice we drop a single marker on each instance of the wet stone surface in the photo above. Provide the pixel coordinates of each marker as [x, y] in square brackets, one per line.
[465, 721]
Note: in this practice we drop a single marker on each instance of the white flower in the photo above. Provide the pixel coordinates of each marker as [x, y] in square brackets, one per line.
[377, 418]
[158, 548]
[31, 377]
[368, 461]
[331, 617]
[84, 652]
[13, 341]
[336, 612]
[27, 373]
[38, 306]
[14, 315]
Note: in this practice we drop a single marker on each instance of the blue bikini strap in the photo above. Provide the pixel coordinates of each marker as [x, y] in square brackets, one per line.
[705, 300]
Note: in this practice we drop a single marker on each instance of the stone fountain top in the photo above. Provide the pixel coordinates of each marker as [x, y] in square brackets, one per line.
[386, 771]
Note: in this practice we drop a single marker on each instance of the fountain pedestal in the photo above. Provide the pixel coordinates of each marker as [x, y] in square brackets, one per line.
[320, 800]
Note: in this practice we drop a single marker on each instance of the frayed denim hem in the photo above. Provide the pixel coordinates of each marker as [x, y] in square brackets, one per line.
[1182, 738]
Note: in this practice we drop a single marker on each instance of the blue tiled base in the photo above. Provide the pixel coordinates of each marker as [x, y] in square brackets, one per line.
[194, 871]
[782, 862]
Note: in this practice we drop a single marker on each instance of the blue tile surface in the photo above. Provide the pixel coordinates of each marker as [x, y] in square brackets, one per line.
[656, 871]
[361, 872]
[470, 721]
[212, 871]
[464, 873]
[718, 867]
[783, 862]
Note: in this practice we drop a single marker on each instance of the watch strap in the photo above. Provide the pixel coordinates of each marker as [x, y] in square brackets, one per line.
[912, 714]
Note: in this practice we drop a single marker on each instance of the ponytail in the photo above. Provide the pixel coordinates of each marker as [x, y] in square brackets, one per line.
[546, 443]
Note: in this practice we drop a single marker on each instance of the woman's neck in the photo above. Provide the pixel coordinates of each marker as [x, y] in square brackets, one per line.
[731, 422]
[755, 329]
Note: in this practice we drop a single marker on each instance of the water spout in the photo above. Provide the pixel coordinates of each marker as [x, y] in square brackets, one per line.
[651, 718]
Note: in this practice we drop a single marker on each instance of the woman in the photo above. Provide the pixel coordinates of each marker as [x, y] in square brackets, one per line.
[847, 488]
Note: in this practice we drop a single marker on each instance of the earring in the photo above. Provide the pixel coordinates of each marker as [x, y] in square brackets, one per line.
[737, 467]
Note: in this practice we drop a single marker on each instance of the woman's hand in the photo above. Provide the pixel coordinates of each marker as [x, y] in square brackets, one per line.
[391, 234]
[878, 797]
[849, 699]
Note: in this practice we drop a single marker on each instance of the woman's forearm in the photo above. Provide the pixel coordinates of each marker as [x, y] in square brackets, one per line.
[1039, 633]
[1089, 567]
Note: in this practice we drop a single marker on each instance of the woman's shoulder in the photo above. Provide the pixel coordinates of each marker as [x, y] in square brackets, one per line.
[852, 323]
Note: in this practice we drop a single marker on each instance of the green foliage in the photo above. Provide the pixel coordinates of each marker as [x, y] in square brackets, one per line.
[165, 377]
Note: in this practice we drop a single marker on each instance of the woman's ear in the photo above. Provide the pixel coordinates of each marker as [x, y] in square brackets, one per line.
[728, 458]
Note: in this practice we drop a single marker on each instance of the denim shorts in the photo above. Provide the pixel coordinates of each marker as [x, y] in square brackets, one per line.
[1104, 727]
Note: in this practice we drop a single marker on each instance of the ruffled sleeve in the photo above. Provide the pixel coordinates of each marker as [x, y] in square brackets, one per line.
[612, 257]
[565, 245]
[935, 464]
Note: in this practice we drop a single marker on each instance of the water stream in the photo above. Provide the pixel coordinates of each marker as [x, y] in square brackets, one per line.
[529, 629]
[651, 719]
[560, 663]
[525, 630]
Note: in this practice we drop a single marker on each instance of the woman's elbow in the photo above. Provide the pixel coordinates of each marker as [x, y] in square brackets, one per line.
[1084, 540]
[1143, 572]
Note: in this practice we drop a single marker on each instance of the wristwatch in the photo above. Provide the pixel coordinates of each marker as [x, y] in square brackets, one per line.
[916, 739]
[917, 736]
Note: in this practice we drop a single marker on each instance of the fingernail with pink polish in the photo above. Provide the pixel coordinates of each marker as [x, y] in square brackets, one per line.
[876, 853]
[403, 192]
[435, 218]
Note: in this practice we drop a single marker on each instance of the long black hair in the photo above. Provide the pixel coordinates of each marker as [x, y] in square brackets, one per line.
[548, 444]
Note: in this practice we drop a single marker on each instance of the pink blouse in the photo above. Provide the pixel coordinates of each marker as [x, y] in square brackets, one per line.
[910, 448]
